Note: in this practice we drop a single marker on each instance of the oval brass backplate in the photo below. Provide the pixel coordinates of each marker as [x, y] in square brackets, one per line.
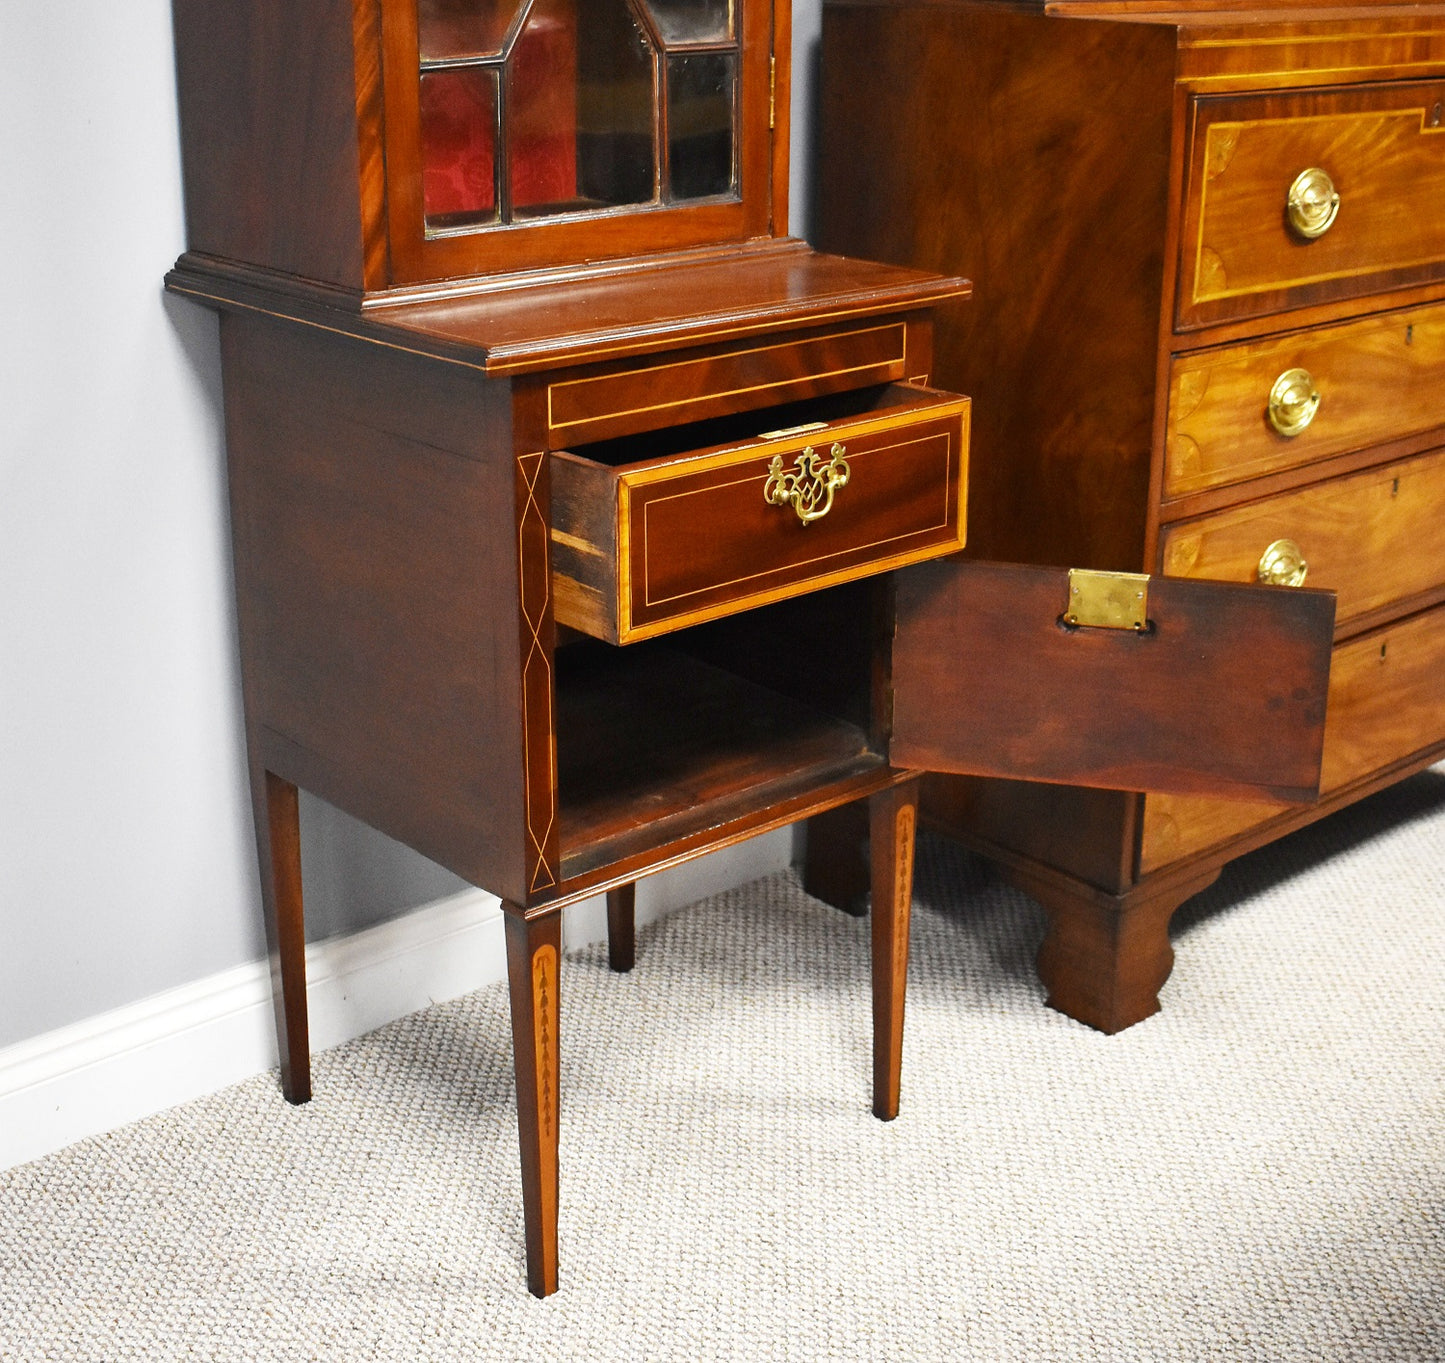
[1312, 203]
[1283, 565]
[1293, 402]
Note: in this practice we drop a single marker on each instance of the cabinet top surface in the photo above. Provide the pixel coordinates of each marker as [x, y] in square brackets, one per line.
[573, 317]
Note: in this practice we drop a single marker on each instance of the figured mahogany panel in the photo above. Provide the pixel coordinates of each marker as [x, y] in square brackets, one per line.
[375, 518]
[1377, 380]
[1387, 701]
[1375, 538]
[1031, 155]
[1382, 146]
[697, 536]
[1223, 693]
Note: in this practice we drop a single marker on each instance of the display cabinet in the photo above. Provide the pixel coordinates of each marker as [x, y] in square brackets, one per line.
[569, 494]
[1205, 342]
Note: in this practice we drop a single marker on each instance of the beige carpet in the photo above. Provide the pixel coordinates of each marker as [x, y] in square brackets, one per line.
[1256, 1173]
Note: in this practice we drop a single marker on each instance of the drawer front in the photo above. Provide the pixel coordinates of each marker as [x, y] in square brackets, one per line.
[1387, 702]
[1380, 149]
[649, 396]
[1375, 537]
[647, 548]
[1247, 410]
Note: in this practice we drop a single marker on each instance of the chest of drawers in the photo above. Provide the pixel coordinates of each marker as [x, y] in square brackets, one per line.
[1209, 261]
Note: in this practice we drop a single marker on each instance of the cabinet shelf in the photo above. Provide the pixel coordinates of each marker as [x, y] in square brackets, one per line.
[655, 747]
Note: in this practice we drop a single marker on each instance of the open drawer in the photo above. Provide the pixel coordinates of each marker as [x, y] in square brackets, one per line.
[654, 532]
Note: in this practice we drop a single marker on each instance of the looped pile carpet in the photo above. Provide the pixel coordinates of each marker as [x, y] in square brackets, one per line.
[1256, 1173]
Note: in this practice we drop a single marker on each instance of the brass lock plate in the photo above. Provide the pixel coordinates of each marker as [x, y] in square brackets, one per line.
[1100, 600]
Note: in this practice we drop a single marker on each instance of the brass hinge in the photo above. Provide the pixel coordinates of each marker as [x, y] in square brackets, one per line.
[1107, 600]
[772, 91]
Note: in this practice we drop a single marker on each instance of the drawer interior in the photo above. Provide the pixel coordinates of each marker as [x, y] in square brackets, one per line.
[696, 438]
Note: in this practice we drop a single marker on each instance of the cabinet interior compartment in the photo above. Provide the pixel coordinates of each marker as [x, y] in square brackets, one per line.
[666, 740]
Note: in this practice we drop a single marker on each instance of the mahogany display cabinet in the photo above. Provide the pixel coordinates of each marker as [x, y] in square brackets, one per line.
[583, 519]
[1207, 341]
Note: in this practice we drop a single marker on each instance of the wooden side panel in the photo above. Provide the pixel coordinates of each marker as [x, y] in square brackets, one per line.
[1224, 694]
[378, 579]
[267, 93]
[584, 545]
[977, 141]
[1387, 701]
[1376, 537]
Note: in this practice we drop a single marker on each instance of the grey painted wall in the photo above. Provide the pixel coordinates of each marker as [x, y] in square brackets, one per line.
[126, 862]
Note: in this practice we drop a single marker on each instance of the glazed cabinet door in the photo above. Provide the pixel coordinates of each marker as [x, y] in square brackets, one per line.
[1113, 680]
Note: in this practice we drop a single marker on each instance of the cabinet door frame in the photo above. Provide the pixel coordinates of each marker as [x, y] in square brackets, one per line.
[415, 257]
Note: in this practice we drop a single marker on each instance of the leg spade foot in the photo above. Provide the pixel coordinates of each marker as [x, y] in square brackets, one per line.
[893, 817]
[278, 842]
[622, 927]
[534, 948]
[1105, 957]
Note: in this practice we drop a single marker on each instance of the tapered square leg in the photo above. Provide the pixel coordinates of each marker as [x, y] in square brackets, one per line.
[893, 820]
[622, 927]
[534, 949]
[278, 842]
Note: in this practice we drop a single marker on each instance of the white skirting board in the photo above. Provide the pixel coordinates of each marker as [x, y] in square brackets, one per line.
[133, 1061]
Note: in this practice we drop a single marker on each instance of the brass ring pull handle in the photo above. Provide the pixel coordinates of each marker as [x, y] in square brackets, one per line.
[1283, 565]
[1312, 203]
[1293, 402]
[809, 489]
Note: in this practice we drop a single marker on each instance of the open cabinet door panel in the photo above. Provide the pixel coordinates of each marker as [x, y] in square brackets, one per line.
[1222, 692]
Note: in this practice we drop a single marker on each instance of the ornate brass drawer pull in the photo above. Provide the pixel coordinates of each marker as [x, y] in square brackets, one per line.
[809, 490]
[1312, 203]
[1293, 402]
[1283, 565]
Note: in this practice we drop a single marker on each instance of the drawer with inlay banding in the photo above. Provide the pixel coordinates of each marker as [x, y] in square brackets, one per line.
[651, 533]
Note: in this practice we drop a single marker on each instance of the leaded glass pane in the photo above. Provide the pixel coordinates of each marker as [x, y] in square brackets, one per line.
[701, 96]
[458, 140]
[692, 21]
[463, 28]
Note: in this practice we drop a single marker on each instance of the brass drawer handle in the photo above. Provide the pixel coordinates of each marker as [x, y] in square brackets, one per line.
[1283, 565]
[1293, 402]
[809, 490]
[1312, 203]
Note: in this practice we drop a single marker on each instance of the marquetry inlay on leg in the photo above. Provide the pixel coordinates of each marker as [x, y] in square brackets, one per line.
[533, 948]
[893, 823]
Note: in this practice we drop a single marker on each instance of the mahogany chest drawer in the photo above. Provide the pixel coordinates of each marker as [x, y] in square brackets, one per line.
[1302, 196]
[648, 538]
[1241, 411]
[1386, 702]
[1376, 537]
